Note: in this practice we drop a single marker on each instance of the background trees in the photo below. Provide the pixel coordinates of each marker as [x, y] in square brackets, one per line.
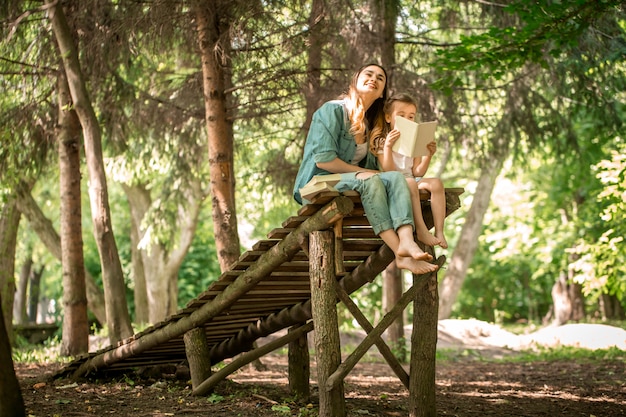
[529, 101]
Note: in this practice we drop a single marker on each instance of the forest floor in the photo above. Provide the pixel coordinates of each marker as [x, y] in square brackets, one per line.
[471, 380]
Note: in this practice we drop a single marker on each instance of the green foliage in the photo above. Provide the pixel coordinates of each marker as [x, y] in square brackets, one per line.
[546, 77]
[215, 398]
[47, 352]
[508, 279]
[200, 267]
[534, 33]
[567, 354]
[601, 256]
[281, 408]
[538, 354]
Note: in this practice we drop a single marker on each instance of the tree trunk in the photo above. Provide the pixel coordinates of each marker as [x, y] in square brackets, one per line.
[9, 223]
[139, 202]
[214, 42]
[567, 301]
[50, 238]
[316, 39]
[118, 319]
[11, 401]
[155, 267]
[611, 308]
[386, 16]
[75, 323]
[562, 306]
[33, 296]
[19, 304]
[468, 240]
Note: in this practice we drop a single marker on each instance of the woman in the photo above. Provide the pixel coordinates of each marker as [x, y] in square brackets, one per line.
[338, 143]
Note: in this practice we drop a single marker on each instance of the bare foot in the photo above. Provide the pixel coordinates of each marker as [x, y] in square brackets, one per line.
[410, 249]
[442, 240]
[428, 239]
[415, 266]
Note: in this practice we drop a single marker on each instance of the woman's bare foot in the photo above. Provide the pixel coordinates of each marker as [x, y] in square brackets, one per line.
[442, 240]
[410, 249]
[428, 239]
[415, 266]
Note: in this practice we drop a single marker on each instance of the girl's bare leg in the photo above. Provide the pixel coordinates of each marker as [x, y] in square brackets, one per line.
[423, 235]
[408, 254]
[437, 205]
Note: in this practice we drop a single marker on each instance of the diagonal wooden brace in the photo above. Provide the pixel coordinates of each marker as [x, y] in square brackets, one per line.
[383, 348]
[351, 361]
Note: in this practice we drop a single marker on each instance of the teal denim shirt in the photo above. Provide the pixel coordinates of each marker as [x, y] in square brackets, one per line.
[329, 137]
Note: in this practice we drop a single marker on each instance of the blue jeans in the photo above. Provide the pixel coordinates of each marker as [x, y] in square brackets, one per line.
[385, 197]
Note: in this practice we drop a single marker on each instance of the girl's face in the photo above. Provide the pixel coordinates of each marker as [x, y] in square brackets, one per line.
[371, 81]
[399, 108]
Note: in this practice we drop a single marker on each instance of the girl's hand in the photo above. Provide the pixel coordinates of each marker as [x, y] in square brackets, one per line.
[392, 137]
[432, 148]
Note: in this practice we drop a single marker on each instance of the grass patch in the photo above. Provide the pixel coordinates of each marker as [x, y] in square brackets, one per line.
[567, 353]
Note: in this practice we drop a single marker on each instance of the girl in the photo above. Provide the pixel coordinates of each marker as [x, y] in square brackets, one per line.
[337, 142]
[413, 169]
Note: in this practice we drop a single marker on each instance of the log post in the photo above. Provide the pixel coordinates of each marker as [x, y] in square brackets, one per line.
[324, 311]
[197, 351]
[299, 366]
[422, 402]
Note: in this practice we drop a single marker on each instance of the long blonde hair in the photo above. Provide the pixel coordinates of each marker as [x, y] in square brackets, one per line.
[361, 120]
[379, 134]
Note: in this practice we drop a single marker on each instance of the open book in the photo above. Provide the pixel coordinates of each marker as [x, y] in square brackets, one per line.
[414, 137]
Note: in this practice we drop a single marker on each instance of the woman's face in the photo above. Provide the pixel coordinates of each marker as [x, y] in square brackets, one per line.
[371, 82]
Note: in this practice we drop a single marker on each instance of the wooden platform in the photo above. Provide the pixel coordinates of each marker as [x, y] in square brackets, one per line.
[267, 290]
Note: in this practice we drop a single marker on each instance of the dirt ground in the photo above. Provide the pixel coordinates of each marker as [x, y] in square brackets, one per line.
[469, 382]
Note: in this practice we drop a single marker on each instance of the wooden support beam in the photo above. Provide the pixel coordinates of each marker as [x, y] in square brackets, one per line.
[419, 281]
[299, 366]
[197, 351]
[338, 256]
[422, 401]
[393, 362]
[324, 309]
[351, 361]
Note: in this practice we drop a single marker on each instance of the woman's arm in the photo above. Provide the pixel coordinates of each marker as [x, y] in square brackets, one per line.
[338, 166]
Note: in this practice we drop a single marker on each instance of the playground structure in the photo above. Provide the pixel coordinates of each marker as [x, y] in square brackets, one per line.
[291, 280]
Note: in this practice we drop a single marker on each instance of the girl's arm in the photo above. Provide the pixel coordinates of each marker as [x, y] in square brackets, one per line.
[421, 163]
[385, 159]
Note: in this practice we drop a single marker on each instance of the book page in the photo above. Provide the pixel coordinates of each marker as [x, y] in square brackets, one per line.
[414, 137]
